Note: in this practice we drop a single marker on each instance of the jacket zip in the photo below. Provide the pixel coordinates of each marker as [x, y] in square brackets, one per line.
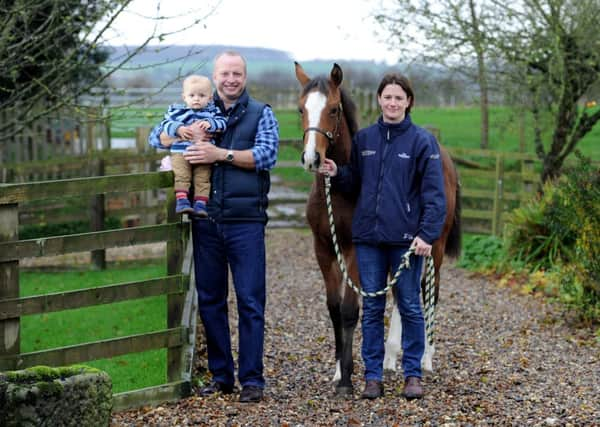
[380, 178]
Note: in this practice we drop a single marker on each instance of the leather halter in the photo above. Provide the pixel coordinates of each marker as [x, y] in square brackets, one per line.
[326, 133]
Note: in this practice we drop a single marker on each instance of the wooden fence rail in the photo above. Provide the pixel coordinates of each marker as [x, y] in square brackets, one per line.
[178, 338]
[492, 183]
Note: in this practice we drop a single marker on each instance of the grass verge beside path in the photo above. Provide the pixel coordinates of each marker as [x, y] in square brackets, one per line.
[57, 329]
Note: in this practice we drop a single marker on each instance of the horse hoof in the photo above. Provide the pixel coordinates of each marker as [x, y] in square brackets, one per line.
[343, 391]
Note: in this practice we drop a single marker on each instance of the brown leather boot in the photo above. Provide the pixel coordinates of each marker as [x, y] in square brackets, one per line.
[412, 388]
[373, 390]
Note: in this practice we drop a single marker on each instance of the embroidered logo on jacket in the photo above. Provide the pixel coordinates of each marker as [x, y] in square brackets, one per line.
[368, 152]
[434, 156]
[404, 156]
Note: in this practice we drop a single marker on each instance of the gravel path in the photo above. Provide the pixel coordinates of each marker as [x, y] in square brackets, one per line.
[502, 359]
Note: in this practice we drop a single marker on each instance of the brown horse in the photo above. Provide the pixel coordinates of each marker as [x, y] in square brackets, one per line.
[329, 123]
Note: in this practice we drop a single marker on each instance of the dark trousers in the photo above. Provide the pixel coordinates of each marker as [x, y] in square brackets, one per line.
[241, 247]
[374, 263]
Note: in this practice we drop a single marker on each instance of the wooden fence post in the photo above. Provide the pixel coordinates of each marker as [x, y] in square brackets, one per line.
[174, 301]
[98, 214]
[526, 184]
[147, 198]
[498, 202]
[90, 133]
[10, 329]
[141, 139]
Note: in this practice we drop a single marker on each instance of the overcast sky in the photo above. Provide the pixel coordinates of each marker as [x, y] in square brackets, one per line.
[307, 29]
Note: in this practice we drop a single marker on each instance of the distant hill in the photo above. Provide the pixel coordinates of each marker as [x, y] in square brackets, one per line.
[271, 72]
[158, 64]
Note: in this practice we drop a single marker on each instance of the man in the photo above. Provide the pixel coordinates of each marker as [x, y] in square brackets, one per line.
[234, 234]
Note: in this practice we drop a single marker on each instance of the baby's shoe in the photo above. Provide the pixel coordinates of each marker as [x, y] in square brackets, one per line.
[200, 209]
[183, 206]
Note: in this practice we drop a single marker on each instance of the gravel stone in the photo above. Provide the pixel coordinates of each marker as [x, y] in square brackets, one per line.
[502, 358]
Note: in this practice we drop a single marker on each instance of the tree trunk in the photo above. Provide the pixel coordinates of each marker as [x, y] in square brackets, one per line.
[478, 46]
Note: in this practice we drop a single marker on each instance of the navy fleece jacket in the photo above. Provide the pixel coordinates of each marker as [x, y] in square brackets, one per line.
[396, 170]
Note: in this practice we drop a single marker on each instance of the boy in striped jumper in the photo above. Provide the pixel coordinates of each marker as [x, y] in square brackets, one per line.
[178, 130]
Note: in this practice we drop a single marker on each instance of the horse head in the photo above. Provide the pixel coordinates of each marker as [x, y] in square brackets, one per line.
[320, 106]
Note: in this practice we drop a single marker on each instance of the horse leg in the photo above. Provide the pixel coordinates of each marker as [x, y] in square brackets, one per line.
[393, 345]
[337, 311]
[349, 318]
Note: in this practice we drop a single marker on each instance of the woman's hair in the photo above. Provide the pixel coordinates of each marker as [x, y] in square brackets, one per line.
[400, 80]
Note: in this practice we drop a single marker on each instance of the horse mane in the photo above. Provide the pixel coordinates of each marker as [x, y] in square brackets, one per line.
[349, 111]
[348, 105]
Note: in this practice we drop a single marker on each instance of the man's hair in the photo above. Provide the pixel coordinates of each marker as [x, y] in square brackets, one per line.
[232, 53]
[400, 80]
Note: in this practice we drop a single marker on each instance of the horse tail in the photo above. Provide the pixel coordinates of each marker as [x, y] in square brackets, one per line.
[454, 241]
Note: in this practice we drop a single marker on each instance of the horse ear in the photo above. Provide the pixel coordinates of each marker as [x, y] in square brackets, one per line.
[301, 75]
[337, 75]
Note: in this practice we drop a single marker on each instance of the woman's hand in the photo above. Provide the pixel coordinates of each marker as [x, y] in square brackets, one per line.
[422, 248]
[328, 167]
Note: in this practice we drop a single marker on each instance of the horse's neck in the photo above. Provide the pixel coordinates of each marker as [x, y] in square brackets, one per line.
[340, 150]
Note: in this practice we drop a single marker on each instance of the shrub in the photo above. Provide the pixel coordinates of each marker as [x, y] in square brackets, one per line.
[482, 253]
[560, 230]
[536, 234]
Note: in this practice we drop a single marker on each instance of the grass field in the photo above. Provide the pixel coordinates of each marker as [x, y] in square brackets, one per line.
[44, 331]
[459, 127]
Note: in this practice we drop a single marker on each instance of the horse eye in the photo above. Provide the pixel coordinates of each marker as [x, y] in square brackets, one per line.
[333, 111]
[300, 110]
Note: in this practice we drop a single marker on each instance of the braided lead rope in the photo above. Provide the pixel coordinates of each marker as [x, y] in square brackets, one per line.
[404, 264]
[429, 300]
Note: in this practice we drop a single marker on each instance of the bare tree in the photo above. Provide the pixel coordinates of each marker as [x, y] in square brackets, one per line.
[445, 32]
[552, 51]
[53, 52]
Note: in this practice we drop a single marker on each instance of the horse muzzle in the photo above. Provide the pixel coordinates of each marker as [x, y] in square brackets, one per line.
[311, 162]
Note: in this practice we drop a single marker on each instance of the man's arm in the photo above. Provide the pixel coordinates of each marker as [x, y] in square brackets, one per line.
[267, 141]
[204, 152]
[260, 157]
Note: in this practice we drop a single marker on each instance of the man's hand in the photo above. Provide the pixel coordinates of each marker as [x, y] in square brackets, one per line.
[422, 248]
[203, 152]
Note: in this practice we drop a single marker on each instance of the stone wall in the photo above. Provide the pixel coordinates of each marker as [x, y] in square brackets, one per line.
[70, 396]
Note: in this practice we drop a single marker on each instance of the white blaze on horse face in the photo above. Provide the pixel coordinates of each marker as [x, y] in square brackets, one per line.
[315, 102]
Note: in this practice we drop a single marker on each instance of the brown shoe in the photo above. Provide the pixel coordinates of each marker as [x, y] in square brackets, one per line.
[251, 394]
[412, 388]
[373, 390]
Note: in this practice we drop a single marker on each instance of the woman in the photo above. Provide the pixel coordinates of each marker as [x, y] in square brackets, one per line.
[396, 170]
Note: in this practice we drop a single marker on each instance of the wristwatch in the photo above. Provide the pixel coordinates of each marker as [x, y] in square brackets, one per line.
[229, 156]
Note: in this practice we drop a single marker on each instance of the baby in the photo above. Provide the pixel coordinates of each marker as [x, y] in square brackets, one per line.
[176, 132]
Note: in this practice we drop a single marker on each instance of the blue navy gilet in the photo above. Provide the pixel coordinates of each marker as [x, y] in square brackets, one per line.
[239, 194]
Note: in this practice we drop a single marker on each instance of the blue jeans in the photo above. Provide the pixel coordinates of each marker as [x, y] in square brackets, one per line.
[374, 263]
[241, 246]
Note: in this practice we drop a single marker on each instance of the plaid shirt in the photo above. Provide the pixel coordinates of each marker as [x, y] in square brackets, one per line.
[266, 141]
